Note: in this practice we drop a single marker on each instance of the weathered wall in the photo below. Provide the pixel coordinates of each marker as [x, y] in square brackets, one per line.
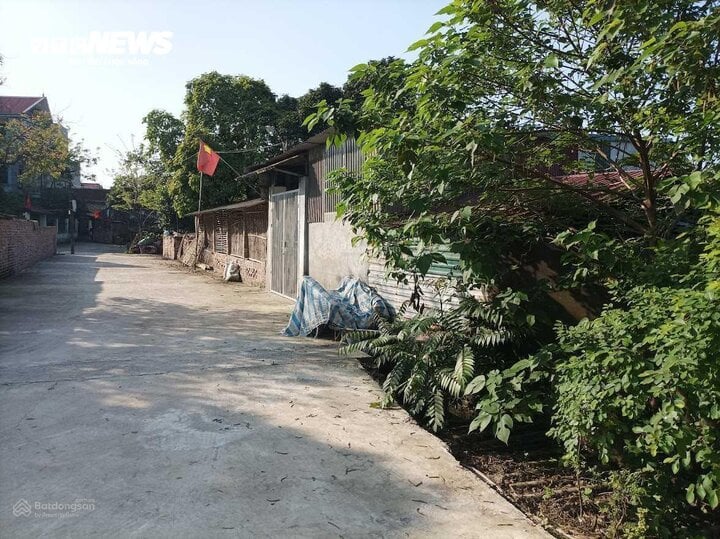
[331, 255]
[171, 246]
[23, 243]
[251, 271]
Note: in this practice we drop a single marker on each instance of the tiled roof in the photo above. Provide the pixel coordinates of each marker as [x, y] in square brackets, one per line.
[600, 180]
[14, 105]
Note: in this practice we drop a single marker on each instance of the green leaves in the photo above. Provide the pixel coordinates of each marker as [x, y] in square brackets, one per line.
[641, 383]
[551, 61]
[460, 357]
[39, 143]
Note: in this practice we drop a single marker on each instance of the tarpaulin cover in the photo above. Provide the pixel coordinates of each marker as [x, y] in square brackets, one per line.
[351, 306]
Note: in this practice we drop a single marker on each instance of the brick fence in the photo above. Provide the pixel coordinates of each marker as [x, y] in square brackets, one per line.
[183, 249]
[22, 243]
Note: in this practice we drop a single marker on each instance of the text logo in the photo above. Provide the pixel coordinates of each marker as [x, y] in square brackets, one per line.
[122, 43]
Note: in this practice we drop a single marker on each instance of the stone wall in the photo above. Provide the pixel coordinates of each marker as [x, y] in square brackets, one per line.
[23, 243]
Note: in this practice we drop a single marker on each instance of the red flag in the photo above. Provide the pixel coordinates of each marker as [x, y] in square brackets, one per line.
[207, 160]
[28, 202]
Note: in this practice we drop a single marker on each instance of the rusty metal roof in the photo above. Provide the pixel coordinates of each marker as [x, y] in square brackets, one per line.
[289, 155]
[239, 206]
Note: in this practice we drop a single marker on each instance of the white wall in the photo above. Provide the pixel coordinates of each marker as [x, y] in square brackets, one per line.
[331, 255]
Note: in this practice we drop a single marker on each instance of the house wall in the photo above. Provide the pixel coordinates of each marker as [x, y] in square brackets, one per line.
[251, 271]
[23, 243]
[225, 236]
[9, 177]
[331, 255]
[182, 248]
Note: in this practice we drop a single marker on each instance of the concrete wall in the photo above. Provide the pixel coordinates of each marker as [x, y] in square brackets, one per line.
[331, 255]
[23, 243]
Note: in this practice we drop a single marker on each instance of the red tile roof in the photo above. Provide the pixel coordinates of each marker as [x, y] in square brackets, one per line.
[600, 180]
[13, 105]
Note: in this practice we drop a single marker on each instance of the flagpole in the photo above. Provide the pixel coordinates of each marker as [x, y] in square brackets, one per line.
[197, 223]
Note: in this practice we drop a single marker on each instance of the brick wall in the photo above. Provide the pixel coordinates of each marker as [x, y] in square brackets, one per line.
[23, 243]
[251, 271]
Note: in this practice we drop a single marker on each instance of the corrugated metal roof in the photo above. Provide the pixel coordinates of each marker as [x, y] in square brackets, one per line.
[239, 206]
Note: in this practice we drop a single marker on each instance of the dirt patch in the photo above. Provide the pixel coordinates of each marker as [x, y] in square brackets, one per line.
[529, 474]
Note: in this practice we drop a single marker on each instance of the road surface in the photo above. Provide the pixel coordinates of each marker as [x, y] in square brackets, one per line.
[138, 399]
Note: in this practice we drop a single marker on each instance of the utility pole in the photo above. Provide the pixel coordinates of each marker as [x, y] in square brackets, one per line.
[71, 217]
[72, 228]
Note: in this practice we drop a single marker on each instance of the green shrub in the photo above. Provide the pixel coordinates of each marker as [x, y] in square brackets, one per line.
[470, 356]
[639, 388]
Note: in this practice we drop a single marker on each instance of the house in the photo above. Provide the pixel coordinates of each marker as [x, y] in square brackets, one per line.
[235, 233]
[47, 203]
[18, 108]
[96, 221]
[304, 237]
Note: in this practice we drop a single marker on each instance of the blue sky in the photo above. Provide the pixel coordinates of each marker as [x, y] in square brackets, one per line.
[292, 45]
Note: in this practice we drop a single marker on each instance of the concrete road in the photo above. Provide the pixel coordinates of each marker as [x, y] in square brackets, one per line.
[137, 399]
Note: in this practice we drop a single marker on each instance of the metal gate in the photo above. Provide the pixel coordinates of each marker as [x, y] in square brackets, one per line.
[285, 243]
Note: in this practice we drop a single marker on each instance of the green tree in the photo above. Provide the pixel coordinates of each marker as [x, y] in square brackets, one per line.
[502, 93]
[308, 102]
[39, 143]
[467, 147]
[288, 126]
[163, 133]
[134, 188]
[232, 114]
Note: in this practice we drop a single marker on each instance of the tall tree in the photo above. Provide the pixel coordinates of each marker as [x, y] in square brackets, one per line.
[288, 126]
[163, 133]
[504, 92]
[308, 102]
[232, 114]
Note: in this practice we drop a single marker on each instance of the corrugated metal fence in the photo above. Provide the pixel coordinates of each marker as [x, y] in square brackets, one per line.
[436, 292]
[322, 162]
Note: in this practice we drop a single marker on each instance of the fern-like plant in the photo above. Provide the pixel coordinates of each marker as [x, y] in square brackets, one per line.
[470, 355]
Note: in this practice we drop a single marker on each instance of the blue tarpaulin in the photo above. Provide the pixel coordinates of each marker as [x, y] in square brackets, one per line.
[351, 306]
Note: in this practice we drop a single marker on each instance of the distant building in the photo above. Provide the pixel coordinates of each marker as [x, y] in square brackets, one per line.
[17, 107]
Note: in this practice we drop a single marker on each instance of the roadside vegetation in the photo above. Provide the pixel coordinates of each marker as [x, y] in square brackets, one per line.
[568, 153]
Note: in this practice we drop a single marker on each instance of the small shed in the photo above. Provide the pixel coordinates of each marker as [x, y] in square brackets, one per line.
[236, 232]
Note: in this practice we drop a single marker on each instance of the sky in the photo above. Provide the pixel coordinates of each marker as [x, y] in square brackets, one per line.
[103, 64]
